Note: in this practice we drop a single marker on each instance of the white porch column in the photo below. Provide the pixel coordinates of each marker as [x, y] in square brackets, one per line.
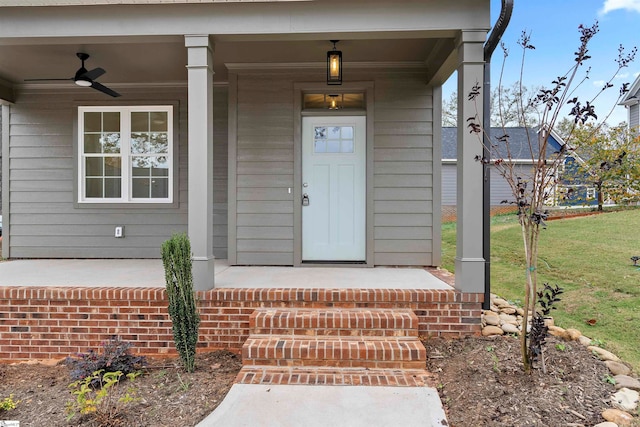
[200, 73]
[469, 261]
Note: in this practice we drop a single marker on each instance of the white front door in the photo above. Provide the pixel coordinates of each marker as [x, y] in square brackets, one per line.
[334, 188]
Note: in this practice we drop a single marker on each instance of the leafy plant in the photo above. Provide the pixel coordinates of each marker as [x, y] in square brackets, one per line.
[598, 343]
[8, 404]
[115, 356]
[539, 331]
[176, 257]
[561, 347]
[609, 379]
[105, 403]
[532, 191]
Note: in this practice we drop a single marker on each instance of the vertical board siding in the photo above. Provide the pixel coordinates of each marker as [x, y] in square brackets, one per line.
[220, 171]
[264, 170]
[46, 221]
[403, 172]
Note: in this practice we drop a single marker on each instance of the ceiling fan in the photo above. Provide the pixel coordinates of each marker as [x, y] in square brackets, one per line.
[85, 78]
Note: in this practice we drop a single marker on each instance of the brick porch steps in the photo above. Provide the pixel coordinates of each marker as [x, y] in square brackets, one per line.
[358, 346]
[334, 376]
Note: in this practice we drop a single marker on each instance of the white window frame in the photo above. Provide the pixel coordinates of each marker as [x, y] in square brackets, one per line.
[591, 193]
[125, 154]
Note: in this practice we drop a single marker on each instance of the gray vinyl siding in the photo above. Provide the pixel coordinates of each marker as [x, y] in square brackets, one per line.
[264, 171]
[634, 116]
[45, 220]
[500, 189]
[402, 168]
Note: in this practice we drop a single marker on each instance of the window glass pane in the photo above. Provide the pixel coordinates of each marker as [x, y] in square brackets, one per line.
[139, 122]
[92, 143]
[320, 132]
[333, 146]
[110, 142]
[347, 146]
[140, 188]
[93, 166]
[112, 188]
[159, 188]
[93, 187]
[334, 132]
[139, 143]
[158, 121]
[111, 122]
[158, 143]
[160, 167]
[112, 166]
[92, 122]
[141, 166]
[347, 132]
[320, 146]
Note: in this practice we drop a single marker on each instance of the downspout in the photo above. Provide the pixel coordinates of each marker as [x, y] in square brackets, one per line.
[489, 47]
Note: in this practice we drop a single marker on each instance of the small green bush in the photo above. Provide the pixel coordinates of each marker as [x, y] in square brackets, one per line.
[176, 258]
[7, 404]
[104, 404]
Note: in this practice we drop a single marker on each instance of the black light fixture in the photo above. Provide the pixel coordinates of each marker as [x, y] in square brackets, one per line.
[334, 65]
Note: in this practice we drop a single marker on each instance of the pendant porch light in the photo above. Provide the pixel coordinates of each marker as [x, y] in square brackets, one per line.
[334, 65]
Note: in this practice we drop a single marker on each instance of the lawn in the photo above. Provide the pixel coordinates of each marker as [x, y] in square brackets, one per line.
[590, 258]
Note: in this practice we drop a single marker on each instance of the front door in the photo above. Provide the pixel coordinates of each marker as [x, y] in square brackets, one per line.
[334, 189]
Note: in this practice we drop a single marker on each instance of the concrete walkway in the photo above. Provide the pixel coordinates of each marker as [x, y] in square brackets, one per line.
[327, 406]
[150, 273]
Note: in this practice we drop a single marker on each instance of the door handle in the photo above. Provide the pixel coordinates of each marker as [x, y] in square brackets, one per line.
[305, 199]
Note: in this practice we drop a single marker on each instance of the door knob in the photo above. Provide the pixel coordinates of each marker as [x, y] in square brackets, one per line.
[305, 199]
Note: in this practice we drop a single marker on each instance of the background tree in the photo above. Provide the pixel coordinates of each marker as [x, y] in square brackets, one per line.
[531, 190]
[505, 106]
[608, 158]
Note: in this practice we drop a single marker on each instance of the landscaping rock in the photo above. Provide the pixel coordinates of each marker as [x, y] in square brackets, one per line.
[617, 368]
[625, 399]
[603, 354]
[491, 319]
[559, 332]
[548, 321]
[573, 334]
[520, 311]
[585, 341]
[508, 318]
[508, 328]
[492, 330]
[621, 418]
[606, 424]
[623, 381]
[508, 310]
[501, 302]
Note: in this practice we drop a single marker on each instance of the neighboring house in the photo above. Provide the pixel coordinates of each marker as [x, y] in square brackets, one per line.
[225, 129]
[567, 193]
[631, 101]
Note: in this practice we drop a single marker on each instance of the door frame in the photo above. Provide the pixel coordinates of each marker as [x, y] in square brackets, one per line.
[299, 89]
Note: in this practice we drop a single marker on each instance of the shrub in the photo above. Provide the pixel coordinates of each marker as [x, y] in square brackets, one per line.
[176, 257]
[7, 404]
[105, 403]
[116, 356]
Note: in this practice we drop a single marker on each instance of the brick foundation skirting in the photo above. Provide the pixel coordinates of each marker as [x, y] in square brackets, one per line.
[44, 323]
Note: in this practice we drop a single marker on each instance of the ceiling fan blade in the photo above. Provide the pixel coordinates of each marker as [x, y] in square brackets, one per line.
[104, 89]
[94, 74]
[46, 80]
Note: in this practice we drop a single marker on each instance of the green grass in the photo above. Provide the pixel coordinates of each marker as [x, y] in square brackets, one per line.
[590, 258]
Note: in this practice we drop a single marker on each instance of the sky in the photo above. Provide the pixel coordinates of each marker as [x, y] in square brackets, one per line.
[553, 26]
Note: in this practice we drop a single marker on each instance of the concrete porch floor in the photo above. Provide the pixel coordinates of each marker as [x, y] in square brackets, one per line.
[150, 273]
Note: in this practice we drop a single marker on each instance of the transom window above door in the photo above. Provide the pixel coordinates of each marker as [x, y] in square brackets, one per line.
[125, 154]
[338, 101]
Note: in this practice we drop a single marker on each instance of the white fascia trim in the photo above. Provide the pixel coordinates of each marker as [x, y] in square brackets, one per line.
[514, 161]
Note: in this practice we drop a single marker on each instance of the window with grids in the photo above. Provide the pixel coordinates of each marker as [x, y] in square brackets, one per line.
[125, 154]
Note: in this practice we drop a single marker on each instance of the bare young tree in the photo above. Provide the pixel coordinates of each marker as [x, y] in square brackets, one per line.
[531, 190]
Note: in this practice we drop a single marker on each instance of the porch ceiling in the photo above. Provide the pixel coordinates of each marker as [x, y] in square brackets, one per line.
[163, 59]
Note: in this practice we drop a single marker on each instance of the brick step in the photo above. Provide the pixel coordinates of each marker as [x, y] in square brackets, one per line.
[334, 322]
[347, 351]
[333, 376]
